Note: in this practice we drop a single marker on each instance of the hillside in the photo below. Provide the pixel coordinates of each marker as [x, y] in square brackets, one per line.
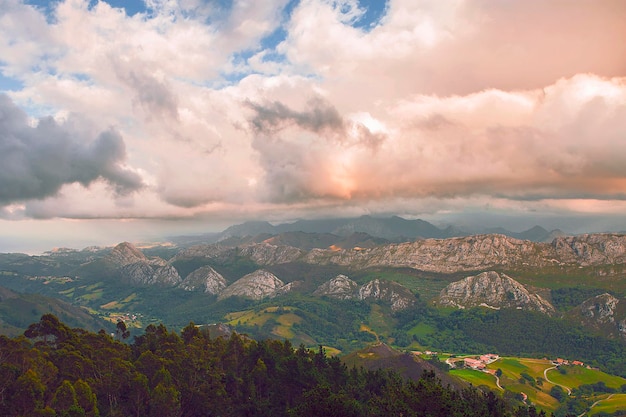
[407, 365]
[402, 293]
[64, 371]
[18, 310]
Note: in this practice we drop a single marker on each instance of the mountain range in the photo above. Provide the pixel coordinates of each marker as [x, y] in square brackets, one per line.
[341, 285]
[393, 229]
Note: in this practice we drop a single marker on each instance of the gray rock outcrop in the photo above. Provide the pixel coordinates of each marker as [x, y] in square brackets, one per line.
[256, 285]
[262, 253]
[493, 290]
[396, 295]
[600, 308]
[268, 254]
[481, 252]
[204, 279]
[341, 287]
[137, 269]
[604, 313]
[124, 254]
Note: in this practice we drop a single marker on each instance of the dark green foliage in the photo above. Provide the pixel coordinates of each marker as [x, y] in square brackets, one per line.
[568, 297]
[520, 333]
[558, 393]
[164, 374]
[591, 389]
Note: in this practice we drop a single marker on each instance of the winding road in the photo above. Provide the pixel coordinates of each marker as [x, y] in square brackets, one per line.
[545, 376]
[594, 404]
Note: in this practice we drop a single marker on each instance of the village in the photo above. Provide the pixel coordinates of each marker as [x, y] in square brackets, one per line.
[480, 362]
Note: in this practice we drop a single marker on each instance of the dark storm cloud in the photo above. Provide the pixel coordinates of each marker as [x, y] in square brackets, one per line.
[153, 95]
[318, 116]
[306, 154]
[294, 164]
[37, 161]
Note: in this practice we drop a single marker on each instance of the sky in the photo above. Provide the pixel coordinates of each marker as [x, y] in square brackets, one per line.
[138, 119]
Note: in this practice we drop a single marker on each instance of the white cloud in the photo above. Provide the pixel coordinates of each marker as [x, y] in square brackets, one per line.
[439, 104]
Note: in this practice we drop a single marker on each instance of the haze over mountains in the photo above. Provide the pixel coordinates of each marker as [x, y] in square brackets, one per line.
[393, 229]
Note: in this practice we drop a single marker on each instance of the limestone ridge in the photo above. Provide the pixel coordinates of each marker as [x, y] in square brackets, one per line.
[481, 252]
[452, 255]
[591, 249]
[261, 253]
[211, 251]
[343, 288]
[268, 254]
[137, 269]
[256, 285]
[206, 279]
[493, 290]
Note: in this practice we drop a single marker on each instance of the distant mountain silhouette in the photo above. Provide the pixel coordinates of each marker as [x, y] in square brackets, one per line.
[393, 228]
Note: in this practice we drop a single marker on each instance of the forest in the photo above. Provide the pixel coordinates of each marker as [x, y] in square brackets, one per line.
[55, 370]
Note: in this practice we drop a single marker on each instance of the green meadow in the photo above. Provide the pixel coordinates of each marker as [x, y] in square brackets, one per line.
[527, 375]
[578, 375]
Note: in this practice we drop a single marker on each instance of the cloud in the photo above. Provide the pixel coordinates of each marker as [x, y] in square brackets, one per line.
[318, 116]
[561, 142]
[457, 47]
[154, 96]
[294, 107]
[37, 161]
[306, 154]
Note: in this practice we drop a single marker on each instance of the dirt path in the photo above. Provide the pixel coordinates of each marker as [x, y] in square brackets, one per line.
[498, 382]
[594, 404]
[545, 376]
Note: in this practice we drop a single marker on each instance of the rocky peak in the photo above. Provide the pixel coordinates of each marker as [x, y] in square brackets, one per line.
[604, 313]
[147, 273]
[392, 293]
[256, 285]
[397, 295]
[493, 290]
[125, 253]
[137, 269]
[204, 279]
[340, 287]
[287, 288]
[601, 308]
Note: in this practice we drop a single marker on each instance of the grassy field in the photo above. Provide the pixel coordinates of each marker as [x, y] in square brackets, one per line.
[537, 389]
[283, 318]
[286, 322]
[331, 351]
[617, 402]
[380, 322]
[578, 375]
[476, 378]
[110, 306]
[421, 329]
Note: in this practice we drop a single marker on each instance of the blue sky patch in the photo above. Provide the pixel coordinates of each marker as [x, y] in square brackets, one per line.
[9, 84]
[132, 7]
[375, 10]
